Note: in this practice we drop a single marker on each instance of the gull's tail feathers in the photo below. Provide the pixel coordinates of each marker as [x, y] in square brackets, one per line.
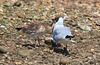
[69, 36]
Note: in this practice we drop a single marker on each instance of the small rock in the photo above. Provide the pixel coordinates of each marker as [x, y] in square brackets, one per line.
[18, 62]
[30, 63]
[48, 38]
[88, 28]
[97, 21]
[3, 49]
[75, 63]
[90, 58]
[94, 56]
[92, 50]
[5, 17]
[30, 47]
[91, 62]
[45, 50]
[19, 46]
[95, 13]
[1, 10]
[76, 30]
[18, 4]
[82, 26]
[25, 53]
[64, 61]
[86, 60]
[74, 24]
[2, 26]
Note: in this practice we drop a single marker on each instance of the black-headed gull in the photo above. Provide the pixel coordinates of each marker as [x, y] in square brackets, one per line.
[61, 33]
[37, 29]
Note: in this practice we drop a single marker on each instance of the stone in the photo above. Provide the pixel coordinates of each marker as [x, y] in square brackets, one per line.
[64, 61]
[1, 10]
[92, 50]
[3, 49]
[95, 13]
[97, 21]
[88, 28]
[5, 17]
[25, 53]
[75, 63]
[18, 4]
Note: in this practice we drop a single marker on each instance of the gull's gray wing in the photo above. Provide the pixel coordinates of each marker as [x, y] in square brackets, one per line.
[68, 31]
[61, 32]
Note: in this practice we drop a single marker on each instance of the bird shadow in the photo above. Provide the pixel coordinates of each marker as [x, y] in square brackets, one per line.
[56, 48]
[26, 45]
[61, 51]
[32, 45]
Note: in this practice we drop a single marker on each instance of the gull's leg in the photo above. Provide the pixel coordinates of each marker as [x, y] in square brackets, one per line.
[39, 41]
[65, 49]
[35, 40]
[56, 47]
[59, 44]
[66, 46]
[62, 45]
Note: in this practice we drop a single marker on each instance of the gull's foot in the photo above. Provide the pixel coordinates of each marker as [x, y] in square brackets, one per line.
[59, 45]
[53, 43]
[66, 51]
[56, 50]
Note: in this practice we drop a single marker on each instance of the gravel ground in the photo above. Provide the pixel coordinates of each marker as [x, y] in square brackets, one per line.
[16, 48]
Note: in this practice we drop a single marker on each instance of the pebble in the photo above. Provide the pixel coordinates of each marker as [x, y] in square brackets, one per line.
[97, 21]
[5, 17]
[25, 53]
[82, 27]
[64, 61]
[75, 63]
[1, 9]
[88, 28]
[90, 58]
[95, 13]
[19, 46]
[48, 38]
[94, 56]
[30, 47]
[76, 30]
[91, 61]
[18, 4]
[2, 26]
[30, 63]
[74, 24]
[3, 49]
[92, 50]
